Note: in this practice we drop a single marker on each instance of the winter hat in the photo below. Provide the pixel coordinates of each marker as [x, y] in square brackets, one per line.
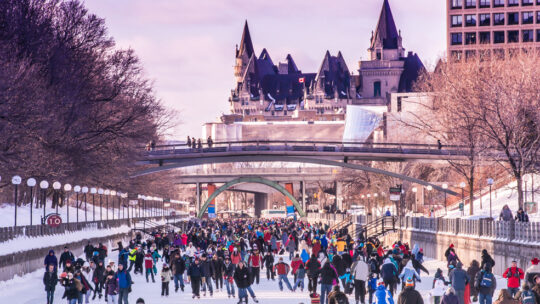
[451, 245]
[140, 301]
[535, 261]
[409, 282]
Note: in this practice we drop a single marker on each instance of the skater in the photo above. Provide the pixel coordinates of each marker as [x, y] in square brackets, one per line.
[282, 269]
[268, 262]
[473, 269]
[360, 272]
[486, 284]
[50, 280]
[124, 284]
[328, 277]
[300, 276]
[514, 275]
[179, 269]
[409, 295]
[166, 276]
[228, 272]
[195, 274]
[337, 296]
[207, 274]
[111, 288]
[149, 265]
[383, 295]
[242, 280]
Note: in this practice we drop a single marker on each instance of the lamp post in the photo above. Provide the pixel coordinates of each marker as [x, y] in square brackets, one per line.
[107, 193]
[16, 180]
[445, 186]
[77, 189]
[462, 186]
[31, 183]
[84, 191]
[490, 183]
[429, 188]
[44, 185]
[113, 194]
[100, 192]
[93, 191]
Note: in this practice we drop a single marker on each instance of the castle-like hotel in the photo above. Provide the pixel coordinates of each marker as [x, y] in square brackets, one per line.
[268, 92]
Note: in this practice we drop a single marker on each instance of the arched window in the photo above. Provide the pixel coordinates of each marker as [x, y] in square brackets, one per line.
[377, 89]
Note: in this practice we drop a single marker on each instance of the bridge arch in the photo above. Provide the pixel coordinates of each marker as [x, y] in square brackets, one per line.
[256, 180]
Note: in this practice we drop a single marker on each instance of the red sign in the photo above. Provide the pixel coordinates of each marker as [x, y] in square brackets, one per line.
[54, 220]
[301, 80]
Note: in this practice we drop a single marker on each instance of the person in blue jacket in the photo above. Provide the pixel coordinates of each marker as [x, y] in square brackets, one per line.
[51, 259]
[124, 284]
[382, 295]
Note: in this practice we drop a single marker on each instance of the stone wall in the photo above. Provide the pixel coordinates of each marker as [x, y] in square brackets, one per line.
[468, 248]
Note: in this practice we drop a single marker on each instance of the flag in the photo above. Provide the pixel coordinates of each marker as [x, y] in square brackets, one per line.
[301, 80]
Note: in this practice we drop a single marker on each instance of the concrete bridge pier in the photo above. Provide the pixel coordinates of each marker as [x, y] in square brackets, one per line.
[261, 203]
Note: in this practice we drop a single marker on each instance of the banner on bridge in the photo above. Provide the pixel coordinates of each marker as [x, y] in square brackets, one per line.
[212, 205]
[289, 203]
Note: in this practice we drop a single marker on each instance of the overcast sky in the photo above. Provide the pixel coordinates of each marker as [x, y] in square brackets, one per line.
[187, 46]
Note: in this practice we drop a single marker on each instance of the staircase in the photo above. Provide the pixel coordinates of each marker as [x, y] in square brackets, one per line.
[380, 226]
[346, 222]
[146, 226]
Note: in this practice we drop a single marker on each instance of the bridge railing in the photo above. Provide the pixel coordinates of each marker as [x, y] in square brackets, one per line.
[306, 146]
[486, 228]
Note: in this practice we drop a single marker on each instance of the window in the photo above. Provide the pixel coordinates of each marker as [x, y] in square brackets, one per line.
[498, 3]
[537, 35]
[485, 37]
[498, 19]
[498, 37]
[470, 54]
[456, 55]
[527, 2]
[470, 20]
[513, 36]
[485, 19]
[528, 18]
[513, 2]
[485, 3]
[379, 56]
[538, 17]
[470, 3]
[399, 104]
[377, 89]
[470, 38]
[457, 38]
[513, 18]
[457, 4]
[457, 21]
[528, 35]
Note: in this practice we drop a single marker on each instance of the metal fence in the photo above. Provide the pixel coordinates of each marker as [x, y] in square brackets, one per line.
[507, 230]
[8, 233]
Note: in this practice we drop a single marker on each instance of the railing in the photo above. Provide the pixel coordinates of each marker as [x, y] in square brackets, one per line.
[8, 233]
[486, 228]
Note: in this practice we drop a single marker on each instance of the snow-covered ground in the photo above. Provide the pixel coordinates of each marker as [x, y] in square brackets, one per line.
[507, 195]
[29, 290]
[7, 213]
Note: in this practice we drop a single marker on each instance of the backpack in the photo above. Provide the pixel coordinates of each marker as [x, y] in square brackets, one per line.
[527, 297]
[373, 266]
[487, 280]
[341, 298]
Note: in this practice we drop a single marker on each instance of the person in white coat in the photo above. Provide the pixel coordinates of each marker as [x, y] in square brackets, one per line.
[409, 272]
[438, 290]
[190, 250]
[360, 272]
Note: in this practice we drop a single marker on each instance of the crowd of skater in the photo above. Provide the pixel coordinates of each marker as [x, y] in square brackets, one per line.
[233, 256]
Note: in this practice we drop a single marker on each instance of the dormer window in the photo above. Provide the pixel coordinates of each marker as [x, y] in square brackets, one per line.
[379, 55]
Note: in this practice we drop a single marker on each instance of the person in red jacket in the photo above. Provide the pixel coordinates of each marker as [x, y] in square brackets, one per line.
[295, 264]
[282, 270]
[514, 276]
[148, 265]
[254, 263]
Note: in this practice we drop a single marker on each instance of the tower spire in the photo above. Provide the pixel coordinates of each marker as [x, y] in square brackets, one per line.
[245, 44]
[386, 33]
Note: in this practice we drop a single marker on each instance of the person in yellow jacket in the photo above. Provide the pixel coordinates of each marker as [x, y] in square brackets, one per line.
[341, 246]
[131, 257]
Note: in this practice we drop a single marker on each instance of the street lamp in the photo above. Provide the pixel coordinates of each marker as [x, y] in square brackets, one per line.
[445, 186]
[107, 192]
[56, 187]
[31, 183]
[77, 189]
[16, 180]
[112, 193]
[44, 185]
[462, 186]
[84, 191]
[93, 191]
[490, 183]
[100, 192]
[415, 190]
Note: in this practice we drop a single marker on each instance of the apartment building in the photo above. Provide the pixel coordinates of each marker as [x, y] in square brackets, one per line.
[491, 27]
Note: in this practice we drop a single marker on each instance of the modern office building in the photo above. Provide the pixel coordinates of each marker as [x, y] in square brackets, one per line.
[491, 27]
